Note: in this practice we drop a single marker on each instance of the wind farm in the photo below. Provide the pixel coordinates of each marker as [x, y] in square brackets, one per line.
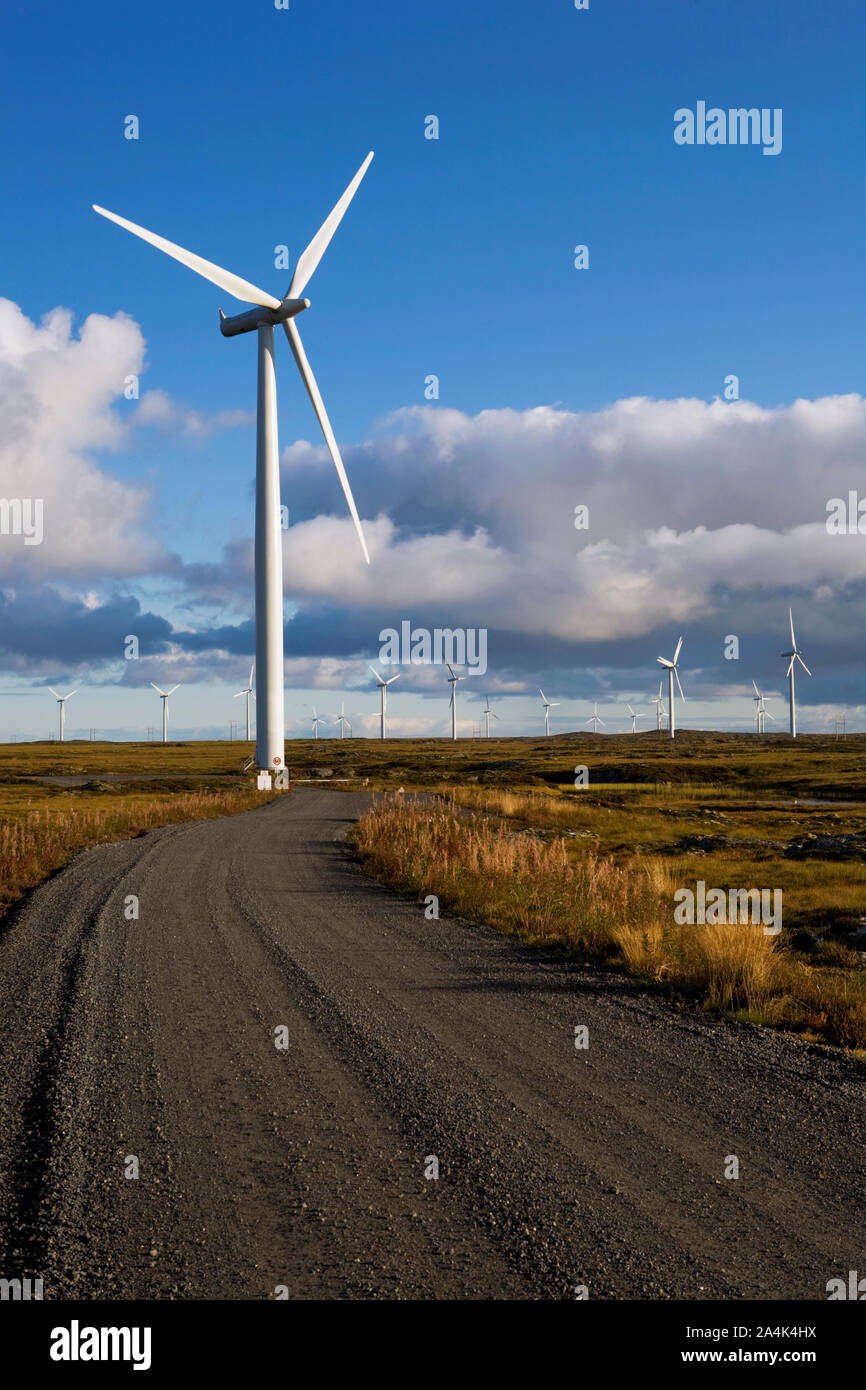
[318, 988]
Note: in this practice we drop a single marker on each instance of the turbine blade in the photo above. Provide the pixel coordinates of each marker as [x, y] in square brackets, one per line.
[790, 667]
[767, 715]
[677, 652]
[156, 688]
[803, 664]
[232, 284]
[54, 692]
[450, 667]
[541, 693]
[376, 674]
[252, 668]
[663, 661]
[393, 678]
[319, 406]
[756, 690]
[791, 621]
[318, 246]
[601, 722]
[174, 688]
[677, 674]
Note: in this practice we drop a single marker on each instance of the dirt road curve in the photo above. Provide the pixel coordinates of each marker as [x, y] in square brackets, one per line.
[406, 1038]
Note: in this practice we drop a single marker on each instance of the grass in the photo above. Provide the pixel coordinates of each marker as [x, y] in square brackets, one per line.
[613, 913]
[40, 829]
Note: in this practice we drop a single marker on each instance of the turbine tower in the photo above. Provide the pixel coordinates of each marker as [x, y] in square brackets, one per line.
[248, 692]
[672, 669]
[316, 722]
[488, 714]
[383, 686]
[343, 721]
[548, 706]
[634, 717]
[263, 318]
[795, 655]
[452, 681]
[61, 700]
[659, 704]
[164, 694]
[595, 719]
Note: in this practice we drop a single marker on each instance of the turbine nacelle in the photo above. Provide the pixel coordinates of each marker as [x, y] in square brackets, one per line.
[231, 326]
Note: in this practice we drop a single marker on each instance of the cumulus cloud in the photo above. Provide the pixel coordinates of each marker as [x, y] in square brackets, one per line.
[687, 500]
[158, 409]
[56, 397]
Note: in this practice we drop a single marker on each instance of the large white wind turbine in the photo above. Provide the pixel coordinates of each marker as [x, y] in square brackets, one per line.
[452, 681]
[595, 719]
[61, 700]
[634, 717]
[248, 692]
[267, 314]
[383, 686]
[672, 669]
[659, 704]
[164, 694]
[488, 714]
[795, 655]
[548, 706]
[316, 722]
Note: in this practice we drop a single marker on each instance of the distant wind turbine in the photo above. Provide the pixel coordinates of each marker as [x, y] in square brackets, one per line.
[761, 711]
[795, 655]
[659, 704]
[672, 669]
[164, 694]
[268, 313]
[248, 692]
[488, 714]
[383, 686]
[595, 719]
[343, 721]
[316, 722]
[61, 700]
[634, 717]
[548, 706]
[452, 681]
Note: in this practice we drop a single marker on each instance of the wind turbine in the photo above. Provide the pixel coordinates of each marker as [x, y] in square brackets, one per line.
[383, 686]
[452, 681]
[343, 721]
[595, 719]
[316, 722]
[548, 706]
[673, 670]
[61, 700]
[761, 711]
[794, 655]
[164, 694]
[488, 714]
[634, 717]
[263, 318]
[248, 692]
[659, 704]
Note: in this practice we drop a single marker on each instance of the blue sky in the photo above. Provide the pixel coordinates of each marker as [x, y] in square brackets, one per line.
[456, 258]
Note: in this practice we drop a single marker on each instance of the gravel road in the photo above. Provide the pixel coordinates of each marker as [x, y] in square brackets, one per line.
[304, 1167]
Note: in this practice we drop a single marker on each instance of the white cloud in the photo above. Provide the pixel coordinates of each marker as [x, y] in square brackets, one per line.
[56, 397]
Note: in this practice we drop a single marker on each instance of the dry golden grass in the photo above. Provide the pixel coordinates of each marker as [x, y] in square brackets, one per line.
[611, 913]
[35, 843]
